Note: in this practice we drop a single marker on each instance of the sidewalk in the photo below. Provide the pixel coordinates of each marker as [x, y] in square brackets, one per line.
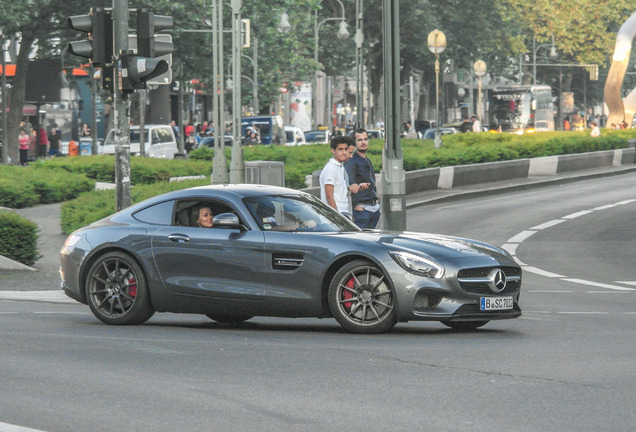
[44, 276]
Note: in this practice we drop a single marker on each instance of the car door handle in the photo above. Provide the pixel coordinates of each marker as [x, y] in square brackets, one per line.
[179, 238]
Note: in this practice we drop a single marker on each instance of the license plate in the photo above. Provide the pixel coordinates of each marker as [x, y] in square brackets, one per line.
[495, 303]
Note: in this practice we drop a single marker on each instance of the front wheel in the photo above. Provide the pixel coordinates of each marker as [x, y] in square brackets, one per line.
[361, 300]
[117, 291]
[465, 326]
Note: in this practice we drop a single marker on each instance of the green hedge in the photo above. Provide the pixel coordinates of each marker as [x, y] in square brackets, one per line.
[18, 238]
[142, 170]
[93, 206]
[31, 185]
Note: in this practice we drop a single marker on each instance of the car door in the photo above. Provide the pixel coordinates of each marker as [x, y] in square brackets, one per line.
[212, 262]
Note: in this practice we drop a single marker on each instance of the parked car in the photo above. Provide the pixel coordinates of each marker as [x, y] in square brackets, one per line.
[430, 133]
[160, 142]
[208, 141]
[274, 251]
[373, 133]
[421, 126]
[295, 136]
[321, 136]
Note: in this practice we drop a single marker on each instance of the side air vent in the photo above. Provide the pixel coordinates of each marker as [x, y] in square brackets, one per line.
[287, 261]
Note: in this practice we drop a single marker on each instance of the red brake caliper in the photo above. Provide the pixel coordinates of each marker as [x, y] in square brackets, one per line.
[132, 287]
[346, 294]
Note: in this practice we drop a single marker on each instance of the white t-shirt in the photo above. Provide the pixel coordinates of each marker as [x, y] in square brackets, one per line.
[334, 174]
[477, 126]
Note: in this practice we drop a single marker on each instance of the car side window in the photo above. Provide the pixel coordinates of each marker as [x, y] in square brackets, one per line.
[158, 214]
[185, 212]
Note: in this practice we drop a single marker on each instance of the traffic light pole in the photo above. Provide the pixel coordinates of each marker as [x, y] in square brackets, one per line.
[219, 162]
[393, 178]
[237, 166]
[122, 125]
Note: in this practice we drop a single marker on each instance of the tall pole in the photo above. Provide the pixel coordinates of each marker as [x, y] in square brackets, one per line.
[5, 143]
[360, 120]
[122, 126]
[393, 178]
[237, 166]
[438, 139]
[219, 164]
[255, 78]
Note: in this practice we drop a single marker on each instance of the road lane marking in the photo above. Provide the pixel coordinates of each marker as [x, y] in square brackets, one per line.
[512, 244]
[548, 224]
[551, 291]
[598, 284]
[523, 235]
[577, 214]
[582, 313]
[6, 427]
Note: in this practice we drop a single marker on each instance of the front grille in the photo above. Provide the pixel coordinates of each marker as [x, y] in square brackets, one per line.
[481, 287]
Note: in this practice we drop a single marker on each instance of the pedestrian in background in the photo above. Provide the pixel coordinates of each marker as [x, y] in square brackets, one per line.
[23, 140]
[364, 194]
[596, 132]
[334, 183]
[43, 143]
[54, 140]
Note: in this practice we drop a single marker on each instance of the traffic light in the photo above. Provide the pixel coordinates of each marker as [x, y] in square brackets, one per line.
[138, 69]
[98, 47]
[593, 70]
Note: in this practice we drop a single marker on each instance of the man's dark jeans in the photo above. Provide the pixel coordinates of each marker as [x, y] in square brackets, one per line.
[366, 219]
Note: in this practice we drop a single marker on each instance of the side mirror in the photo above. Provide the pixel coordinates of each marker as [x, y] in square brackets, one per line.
[229, 220]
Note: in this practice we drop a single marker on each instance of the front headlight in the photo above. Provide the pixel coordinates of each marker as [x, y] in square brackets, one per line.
[418, 265]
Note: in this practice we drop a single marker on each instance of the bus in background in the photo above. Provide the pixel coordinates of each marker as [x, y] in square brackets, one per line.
[269, 128]
[521, 109]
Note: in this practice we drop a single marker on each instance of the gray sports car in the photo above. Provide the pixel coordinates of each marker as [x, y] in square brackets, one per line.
[274, 251]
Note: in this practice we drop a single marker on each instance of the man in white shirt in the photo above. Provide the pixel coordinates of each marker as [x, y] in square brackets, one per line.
[476, 124]
[334, 185]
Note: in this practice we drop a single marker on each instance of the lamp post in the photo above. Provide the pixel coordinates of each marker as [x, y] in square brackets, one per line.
[359, 38]
[553, 54]
[254, 79]
[437, 44]
[237, 166]
[219, 162]
[480, 70]
[343, 33]
[5, 144]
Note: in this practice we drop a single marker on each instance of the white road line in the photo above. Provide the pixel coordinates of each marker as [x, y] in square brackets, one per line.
[542, 272]
[583, 313]
[548, 224]
[608, 292]
[551, 291]
[523, 235]
[605, 207]
[626, 282]
[577, 214]
[598, 284]
[5, 427]
[513, 243]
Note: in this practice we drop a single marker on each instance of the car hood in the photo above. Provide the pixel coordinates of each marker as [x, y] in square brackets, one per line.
[435, 245]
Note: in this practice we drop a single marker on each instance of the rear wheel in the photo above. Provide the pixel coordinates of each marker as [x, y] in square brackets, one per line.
[465, 325]
[361, 299]
[117, 291]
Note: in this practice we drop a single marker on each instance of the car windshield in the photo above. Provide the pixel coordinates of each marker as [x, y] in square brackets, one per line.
[318, 136]
[294, 213]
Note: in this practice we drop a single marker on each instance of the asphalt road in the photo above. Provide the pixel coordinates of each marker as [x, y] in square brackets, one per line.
[566, 365]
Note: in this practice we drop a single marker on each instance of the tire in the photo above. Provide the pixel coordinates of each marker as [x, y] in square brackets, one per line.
[116, 290]
[229, 319]
[361, 300]
[465, 326]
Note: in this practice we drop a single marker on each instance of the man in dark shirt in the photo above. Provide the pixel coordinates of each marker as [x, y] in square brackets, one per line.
[366, 208]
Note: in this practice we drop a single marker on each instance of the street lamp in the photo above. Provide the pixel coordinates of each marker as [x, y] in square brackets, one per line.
[553, 54]
[480, 70]
[254, 79]
[437, 44]
[342, 34]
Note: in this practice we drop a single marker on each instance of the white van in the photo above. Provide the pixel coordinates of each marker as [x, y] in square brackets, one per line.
[294, 136]
[160, 142]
